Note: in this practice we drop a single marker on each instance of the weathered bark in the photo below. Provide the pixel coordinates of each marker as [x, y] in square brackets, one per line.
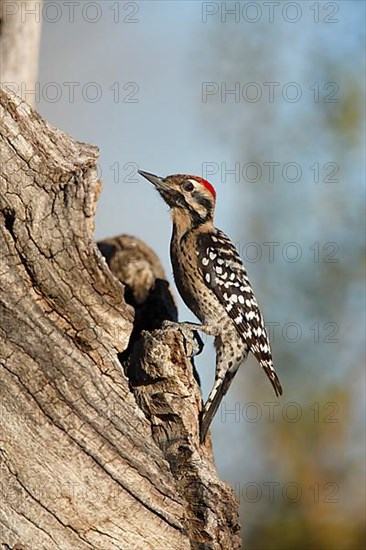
[99, 434]
[20, 34]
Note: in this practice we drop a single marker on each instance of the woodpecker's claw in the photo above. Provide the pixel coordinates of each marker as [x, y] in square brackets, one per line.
[192, 340]
[199, 344]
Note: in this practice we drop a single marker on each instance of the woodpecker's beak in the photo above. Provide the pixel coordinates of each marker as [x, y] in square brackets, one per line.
[163, 187]
[155, 180]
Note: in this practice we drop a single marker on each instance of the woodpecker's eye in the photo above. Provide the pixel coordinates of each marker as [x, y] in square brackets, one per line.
[188, 186]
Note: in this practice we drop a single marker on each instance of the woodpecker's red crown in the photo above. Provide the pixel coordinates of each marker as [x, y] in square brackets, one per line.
[203, 182]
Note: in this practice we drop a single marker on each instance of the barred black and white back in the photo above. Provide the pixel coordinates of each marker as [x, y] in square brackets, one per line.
[224, 273]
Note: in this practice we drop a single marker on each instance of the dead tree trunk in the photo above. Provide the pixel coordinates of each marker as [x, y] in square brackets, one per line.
[20, 35]
[99, 434]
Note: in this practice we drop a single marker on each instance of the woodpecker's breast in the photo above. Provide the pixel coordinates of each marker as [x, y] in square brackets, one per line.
[189, 281]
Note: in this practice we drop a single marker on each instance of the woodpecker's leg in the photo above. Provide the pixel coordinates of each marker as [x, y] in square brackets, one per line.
[211, 330]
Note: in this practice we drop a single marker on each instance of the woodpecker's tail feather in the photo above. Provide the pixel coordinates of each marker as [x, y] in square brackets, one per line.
[220, 388]
[271, 373]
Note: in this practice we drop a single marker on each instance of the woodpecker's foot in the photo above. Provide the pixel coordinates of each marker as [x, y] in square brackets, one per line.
[210, 330]
[193, 341]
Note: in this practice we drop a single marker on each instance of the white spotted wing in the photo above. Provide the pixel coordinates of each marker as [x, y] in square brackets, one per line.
[224, 273]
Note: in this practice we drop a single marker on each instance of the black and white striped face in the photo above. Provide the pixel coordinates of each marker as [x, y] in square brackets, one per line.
[190, 193]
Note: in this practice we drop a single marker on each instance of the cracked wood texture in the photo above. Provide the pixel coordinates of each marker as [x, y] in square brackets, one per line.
[99, 433]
